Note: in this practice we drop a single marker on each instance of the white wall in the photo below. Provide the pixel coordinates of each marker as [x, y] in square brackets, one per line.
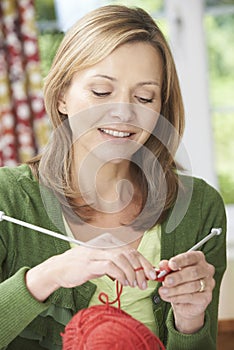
[187, 41]
[226, 307]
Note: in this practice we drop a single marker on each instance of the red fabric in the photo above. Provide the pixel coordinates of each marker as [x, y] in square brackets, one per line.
[21, 102]
[8, 150]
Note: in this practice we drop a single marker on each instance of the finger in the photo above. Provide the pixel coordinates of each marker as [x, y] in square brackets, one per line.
[186, 259]
[163, 265]
[197, 299]
[187, 288]
[190, 273]
[143, 268]
[149, 269]
[105, 267]
[123, 262]
[139, 264]
[105, 259]
[128, 260]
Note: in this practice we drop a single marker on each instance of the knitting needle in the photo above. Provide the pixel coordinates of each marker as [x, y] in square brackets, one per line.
[163, 273]
[39, 229]
[214, 232]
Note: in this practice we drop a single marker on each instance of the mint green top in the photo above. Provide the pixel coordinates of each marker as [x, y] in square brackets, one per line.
[133, 300]
[26, 324]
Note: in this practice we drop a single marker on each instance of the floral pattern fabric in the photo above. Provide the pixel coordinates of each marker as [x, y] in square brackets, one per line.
[23, 121]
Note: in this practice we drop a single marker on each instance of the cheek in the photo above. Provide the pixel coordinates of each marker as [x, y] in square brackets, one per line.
[77, 100]
[86, 140]
[82, 128]
[149, 124]
[147, 118]
[75, 106]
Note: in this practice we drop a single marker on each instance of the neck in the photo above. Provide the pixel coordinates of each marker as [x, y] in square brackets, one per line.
[110, 185]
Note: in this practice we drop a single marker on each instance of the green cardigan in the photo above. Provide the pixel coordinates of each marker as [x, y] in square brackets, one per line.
[20, 249]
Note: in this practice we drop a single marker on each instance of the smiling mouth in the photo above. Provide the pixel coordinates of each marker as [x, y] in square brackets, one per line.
[115, 133]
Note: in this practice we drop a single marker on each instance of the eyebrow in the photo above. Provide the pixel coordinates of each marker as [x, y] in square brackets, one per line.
[104, 76]
[150, 82]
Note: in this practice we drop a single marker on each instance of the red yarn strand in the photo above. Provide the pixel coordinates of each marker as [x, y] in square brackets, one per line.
[119, 289]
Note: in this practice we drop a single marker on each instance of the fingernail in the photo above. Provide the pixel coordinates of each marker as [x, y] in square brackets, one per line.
[152, 274]
[126, 283]
[164, 291]
[170, 280]
[173, 265]
[144, 285]
[135, 283]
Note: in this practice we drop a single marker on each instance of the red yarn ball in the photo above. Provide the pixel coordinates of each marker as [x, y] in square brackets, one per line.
[103, 327]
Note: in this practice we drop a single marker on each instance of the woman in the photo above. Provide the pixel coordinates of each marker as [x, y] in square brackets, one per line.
[108, 178]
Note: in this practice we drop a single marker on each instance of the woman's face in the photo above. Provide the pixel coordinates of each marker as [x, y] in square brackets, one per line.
[114, 105]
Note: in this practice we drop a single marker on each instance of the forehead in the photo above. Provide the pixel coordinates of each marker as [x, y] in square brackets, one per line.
[136, 58]
[136, 52]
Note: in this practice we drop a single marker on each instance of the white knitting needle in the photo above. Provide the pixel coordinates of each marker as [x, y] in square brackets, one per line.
[214, 232]
[40, 229]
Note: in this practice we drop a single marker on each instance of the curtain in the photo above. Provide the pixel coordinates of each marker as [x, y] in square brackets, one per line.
[23, 122]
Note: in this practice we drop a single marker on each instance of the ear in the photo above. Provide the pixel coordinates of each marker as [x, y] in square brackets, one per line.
[62, 105]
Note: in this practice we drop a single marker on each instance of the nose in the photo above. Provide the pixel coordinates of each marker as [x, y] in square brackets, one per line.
[123, 108]
[123, 112]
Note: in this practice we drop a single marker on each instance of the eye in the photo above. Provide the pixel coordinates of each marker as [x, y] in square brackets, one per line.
[144, 100]
[101, 93]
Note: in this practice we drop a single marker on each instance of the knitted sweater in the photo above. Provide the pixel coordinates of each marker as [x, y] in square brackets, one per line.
[21, 249]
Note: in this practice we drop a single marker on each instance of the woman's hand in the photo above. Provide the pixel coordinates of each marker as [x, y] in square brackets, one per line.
[188, 289]
[80, 264]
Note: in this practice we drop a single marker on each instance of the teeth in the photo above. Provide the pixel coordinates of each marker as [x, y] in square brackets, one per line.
[115, 133]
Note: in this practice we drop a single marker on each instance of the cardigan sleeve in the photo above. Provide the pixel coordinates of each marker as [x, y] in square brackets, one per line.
[210, 213]
[17, 306]
[23, 318]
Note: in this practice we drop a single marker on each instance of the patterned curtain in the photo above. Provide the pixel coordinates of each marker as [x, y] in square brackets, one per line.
[23, 123]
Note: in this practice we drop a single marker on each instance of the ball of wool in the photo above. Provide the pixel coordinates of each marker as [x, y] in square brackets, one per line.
[103, 327]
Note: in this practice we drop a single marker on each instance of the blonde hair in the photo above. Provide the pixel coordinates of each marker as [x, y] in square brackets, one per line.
[89, 41]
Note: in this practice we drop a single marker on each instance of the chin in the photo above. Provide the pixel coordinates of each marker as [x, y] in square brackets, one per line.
[116, 156]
